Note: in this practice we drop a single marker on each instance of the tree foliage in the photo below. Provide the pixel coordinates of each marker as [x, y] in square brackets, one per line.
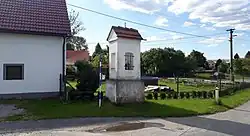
[76, 42]
[236, 56]
[88, 77]
[98, 50]
[223, 67]
[218, 62]
[75, 24]
[96, 60]
[199, 58]
[247, 54]
[242, 67]
[165, 62]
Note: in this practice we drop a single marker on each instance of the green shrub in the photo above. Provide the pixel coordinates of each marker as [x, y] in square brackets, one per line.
[182, 95]
[155, 95]
[149, 96]
[88, 78]
[175, 95]
[169, 95]
[204, 94]
[194, 94]
[199, 94]
[187, 95]
[210, 94]
[163, 96]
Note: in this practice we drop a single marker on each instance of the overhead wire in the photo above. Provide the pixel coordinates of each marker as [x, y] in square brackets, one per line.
[137, 23]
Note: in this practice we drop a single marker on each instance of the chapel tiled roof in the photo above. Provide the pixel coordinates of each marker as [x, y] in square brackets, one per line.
[129, 33]
[47, 17]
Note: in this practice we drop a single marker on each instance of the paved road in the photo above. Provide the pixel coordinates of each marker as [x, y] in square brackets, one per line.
[231, 123]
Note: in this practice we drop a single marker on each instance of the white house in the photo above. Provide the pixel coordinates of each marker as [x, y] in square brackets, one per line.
[125, 85]
[32, 47]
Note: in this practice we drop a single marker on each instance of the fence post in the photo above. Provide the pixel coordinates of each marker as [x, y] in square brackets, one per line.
[217, 95]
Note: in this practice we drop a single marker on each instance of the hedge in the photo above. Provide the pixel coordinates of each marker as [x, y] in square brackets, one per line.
[196, 94]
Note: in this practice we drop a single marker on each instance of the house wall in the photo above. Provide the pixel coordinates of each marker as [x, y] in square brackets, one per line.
[133, 46]
[113, 61]
[42, 59]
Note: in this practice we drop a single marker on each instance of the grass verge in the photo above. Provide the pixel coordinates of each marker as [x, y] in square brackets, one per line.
[186, 88]
[48, 109]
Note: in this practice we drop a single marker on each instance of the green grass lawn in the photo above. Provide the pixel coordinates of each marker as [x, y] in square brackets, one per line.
[47, 109]
[182, 87]
[203, 75]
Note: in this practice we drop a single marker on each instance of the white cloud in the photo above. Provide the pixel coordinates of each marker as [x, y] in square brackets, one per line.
[215, 41]
[209, 28]
[186, 24]
[222, 13]
[176, 36]
[213, 45]
[144, 6]
[239, 34]
[161, 21]
[243, 45]
[203, 25]
[154, 38]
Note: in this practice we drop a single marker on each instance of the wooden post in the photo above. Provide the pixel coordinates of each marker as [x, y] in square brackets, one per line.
[177, 84]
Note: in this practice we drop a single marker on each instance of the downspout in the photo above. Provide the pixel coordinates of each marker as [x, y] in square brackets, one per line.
[63, 66]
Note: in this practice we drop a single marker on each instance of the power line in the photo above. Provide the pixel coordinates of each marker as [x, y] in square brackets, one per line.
[184, 38]
[164, 40]
[126, 20]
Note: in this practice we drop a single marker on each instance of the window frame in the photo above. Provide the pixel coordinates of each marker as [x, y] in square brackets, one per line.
[130, 57]
[12, 64]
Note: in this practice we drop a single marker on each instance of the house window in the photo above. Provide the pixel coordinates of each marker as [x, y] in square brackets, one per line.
[129, 63]
[13, 71]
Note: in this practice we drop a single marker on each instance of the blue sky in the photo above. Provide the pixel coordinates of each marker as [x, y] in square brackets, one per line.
[206, 18]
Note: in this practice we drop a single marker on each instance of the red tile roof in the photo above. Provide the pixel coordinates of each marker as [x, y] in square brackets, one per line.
[129, 33]
[73, 56]
[47, 17]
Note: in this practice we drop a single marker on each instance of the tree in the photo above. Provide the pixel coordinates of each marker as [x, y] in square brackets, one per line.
[164, 62]
[96, 61]
[247, 54]
[223, 66]
[218, 62]
[75, 24]
[199, 58]
[241, 67]
[89, 78]
[98, 50]
[76, 42]
[236, 56]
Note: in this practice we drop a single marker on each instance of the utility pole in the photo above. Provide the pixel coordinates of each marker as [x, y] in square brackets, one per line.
[231, 54]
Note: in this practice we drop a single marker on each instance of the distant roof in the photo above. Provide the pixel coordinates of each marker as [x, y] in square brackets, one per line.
[46, 17]
[73, 56]
[123, 32]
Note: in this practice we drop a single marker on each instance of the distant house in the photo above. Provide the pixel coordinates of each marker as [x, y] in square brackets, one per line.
[211, 64]
[73, 56]
[32, 47]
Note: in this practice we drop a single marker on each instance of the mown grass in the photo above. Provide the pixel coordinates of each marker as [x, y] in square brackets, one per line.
[48, 109]
[186, 88]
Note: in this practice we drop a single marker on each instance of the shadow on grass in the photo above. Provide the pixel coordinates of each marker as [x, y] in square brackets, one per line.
[90, 115]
